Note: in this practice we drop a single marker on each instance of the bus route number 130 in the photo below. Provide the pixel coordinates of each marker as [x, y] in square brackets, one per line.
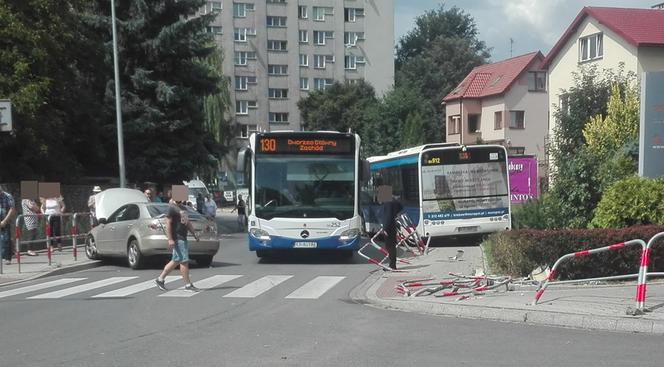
[268, 145]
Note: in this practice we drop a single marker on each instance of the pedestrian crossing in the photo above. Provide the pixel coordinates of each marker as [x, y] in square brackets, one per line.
[243, 287]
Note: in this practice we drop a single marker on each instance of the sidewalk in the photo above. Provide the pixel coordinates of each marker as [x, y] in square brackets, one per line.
[597, 307]
[33, 267]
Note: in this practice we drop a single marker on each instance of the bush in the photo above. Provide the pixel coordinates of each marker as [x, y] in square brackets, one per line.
[518, 252]
[547, 212]
[631, 201]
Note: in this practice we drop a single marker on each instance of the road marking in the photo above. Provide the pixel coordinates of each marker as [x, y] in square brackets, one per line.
[315, 288]
[259, 286]
[38, 287]
[133, 289]
[82, 288]
[206, 283]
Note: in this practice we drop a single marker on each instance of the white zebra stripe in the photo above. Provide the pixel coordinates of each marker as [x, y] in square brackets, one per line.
[258, 287]
[38, 287]
[133, 289]
[206, 283]
[82, 288]
[315, 288]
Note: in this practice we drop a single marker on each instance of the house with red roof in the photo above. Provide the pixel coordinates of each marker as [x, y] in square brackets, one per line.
[503, 103]
[607, 38]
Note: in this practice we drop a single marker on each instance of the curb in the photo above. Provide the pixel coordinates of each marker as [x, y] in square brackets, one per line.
[88, 264]
[365, 293]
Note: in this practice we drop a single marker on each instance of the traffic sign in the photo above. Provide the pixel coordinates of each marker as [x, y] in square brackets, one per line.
[5, 115]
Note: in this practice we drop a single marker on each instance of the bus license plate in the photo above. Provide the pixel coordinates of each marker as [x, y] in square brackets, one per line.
[468, 229]
[301, 244]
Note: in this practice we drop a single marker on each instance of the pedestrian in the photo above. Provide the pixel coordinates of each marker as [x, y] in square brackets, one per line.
[53, 208]
[390, 209]
[200, 203]
[92, 206]
[210, 207]
[31, 213]
[148, 194]
[7, 211]
[177, 226]
[241, 208]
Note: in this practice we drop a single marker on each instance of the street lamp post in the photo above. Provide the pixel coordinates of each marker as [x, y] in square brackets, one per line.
[118, 108]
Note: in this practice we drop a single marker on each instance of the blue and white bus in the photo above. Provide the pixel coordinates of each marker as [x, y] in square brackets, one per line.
[303, 191]
[446, 189]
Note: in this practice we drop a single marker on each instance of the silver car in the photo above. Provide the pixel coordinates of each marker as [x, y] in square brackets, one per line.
[137, 230]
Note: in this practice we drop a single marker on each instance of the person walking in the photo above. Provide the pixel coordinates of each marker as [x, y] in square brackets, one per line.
[210, 208]
[53, 208]
[200, 203]
[7, 211]
[92, 205]
[177, 226]
[31, 220]
[241, 208]
[390, 209]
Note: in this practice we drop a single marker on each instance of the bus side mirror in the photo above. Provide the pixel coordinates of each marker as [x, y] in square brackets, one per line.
[365, 172]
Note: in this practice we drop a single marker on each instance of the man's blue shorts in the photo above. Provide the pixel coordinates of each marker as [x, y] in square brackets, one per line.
[181, 252]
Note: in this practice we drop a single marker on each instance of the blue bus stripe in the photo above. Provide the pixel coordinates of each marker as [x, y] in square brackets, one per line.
[394, 163]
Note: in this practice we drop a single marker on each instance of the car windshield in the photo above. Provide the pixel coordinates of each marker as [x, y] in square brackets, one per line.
[159, 210]
[305, 187]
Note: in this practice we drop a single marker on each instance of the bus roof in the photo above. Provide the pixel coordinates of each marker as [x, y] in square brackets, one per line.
[408, 151]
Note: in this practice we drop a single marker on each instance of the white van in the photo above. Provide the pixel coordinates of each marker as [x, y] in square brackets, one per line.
[196, 187]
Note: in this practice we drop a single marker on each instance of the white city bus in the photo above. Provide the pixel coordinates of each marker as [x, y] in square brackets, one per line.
[446, 189]
[303, 191]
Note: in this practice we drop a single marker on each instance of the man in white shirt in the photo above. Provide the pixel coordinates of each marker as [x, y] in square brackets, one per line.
[210, 207]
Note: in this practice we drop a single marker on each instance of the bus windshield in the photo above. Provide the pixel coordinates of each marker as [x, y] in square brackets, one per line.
[319, 186]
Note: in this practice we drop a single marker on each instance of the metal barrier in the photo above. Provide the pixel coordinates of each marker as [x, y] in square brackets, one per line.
[617, 246]
[379, 263]
[458, 285]
[643, 275]
[74, 234]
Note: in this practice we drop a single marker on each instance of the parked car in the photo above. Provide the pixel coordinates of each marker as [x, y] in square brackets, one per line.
[137, 230]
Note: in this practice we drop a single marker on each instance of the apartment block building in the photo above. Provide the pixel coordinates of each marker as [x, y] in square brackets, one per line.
[278, 51]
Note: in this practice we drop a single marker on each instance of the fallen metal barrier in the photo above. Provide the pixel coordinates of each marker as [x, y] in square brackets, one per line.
[458, 285]
[549, 279]
[379, 263]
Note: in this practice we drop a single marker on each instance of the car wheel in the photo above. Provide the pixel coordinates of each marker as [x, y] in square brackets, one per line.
[134, 256]
[204, 261]
[91, 248]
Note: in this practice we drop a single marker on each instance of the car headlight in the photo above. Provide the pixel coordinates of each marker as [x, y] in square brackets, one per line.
[260, 234]
[349, 234]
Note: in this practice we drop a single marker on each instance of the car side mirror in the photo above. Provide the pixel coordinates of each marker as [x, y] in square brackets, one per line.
[102, 221]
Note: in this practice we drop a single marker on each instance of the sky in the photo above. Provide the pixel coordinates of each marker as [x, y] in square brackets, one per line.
[532, 24]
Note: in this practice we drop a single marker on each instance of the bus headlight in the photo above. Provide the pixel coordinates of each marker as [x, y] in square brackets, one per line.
[260, 234]
[349, 234]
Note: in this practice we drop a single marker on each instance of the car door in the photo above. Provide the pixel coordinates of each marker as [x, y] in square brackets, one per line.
[126, 220]
[106, 232]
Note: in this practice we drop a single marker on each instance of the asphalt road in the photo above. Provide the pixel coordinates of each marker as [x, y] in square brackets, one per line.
[217, 327]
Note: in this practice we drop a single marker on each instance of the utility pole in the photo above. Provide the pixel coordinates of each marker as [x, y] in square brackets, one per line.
[118, 108]
[511, 44]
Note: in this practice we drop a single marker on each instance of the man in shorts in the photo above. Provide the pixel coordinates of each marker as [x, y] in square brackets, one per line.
[177, 226]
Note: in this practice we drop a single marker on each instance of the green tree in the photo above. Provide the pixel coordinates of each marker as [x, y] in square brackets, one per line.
[47, 63]
[164, 78]
[406, 114]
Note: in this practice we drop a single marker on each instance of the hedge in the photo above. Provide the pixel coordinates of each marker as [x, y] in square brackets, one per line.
[518, 252]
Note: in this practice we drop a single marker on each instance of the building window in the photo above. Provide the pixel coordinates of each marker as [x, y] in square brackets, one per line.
[212, 7]
[321, 36]
[351, 61]
[516, 150]
[351, 38]
[240, 9]
[241, 107]
[276, 22]
[353, 81]
[240, 34]
[277, 93]
[591, 47]
[304, 83]
[537, 81]
[302, 12]
[498, 120]
[322, 83]
[278, 117]
[304, 60]
[214, 29]
[319, 61]
[351, 14]
[474, 123]
[517, 119]
[276, 1]
[453, 125]
[241, 57]
[304, 36]
[247, 130]
[242, 82]
[277, 69]
[321, 11]
[563, 103]
[273, 45]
